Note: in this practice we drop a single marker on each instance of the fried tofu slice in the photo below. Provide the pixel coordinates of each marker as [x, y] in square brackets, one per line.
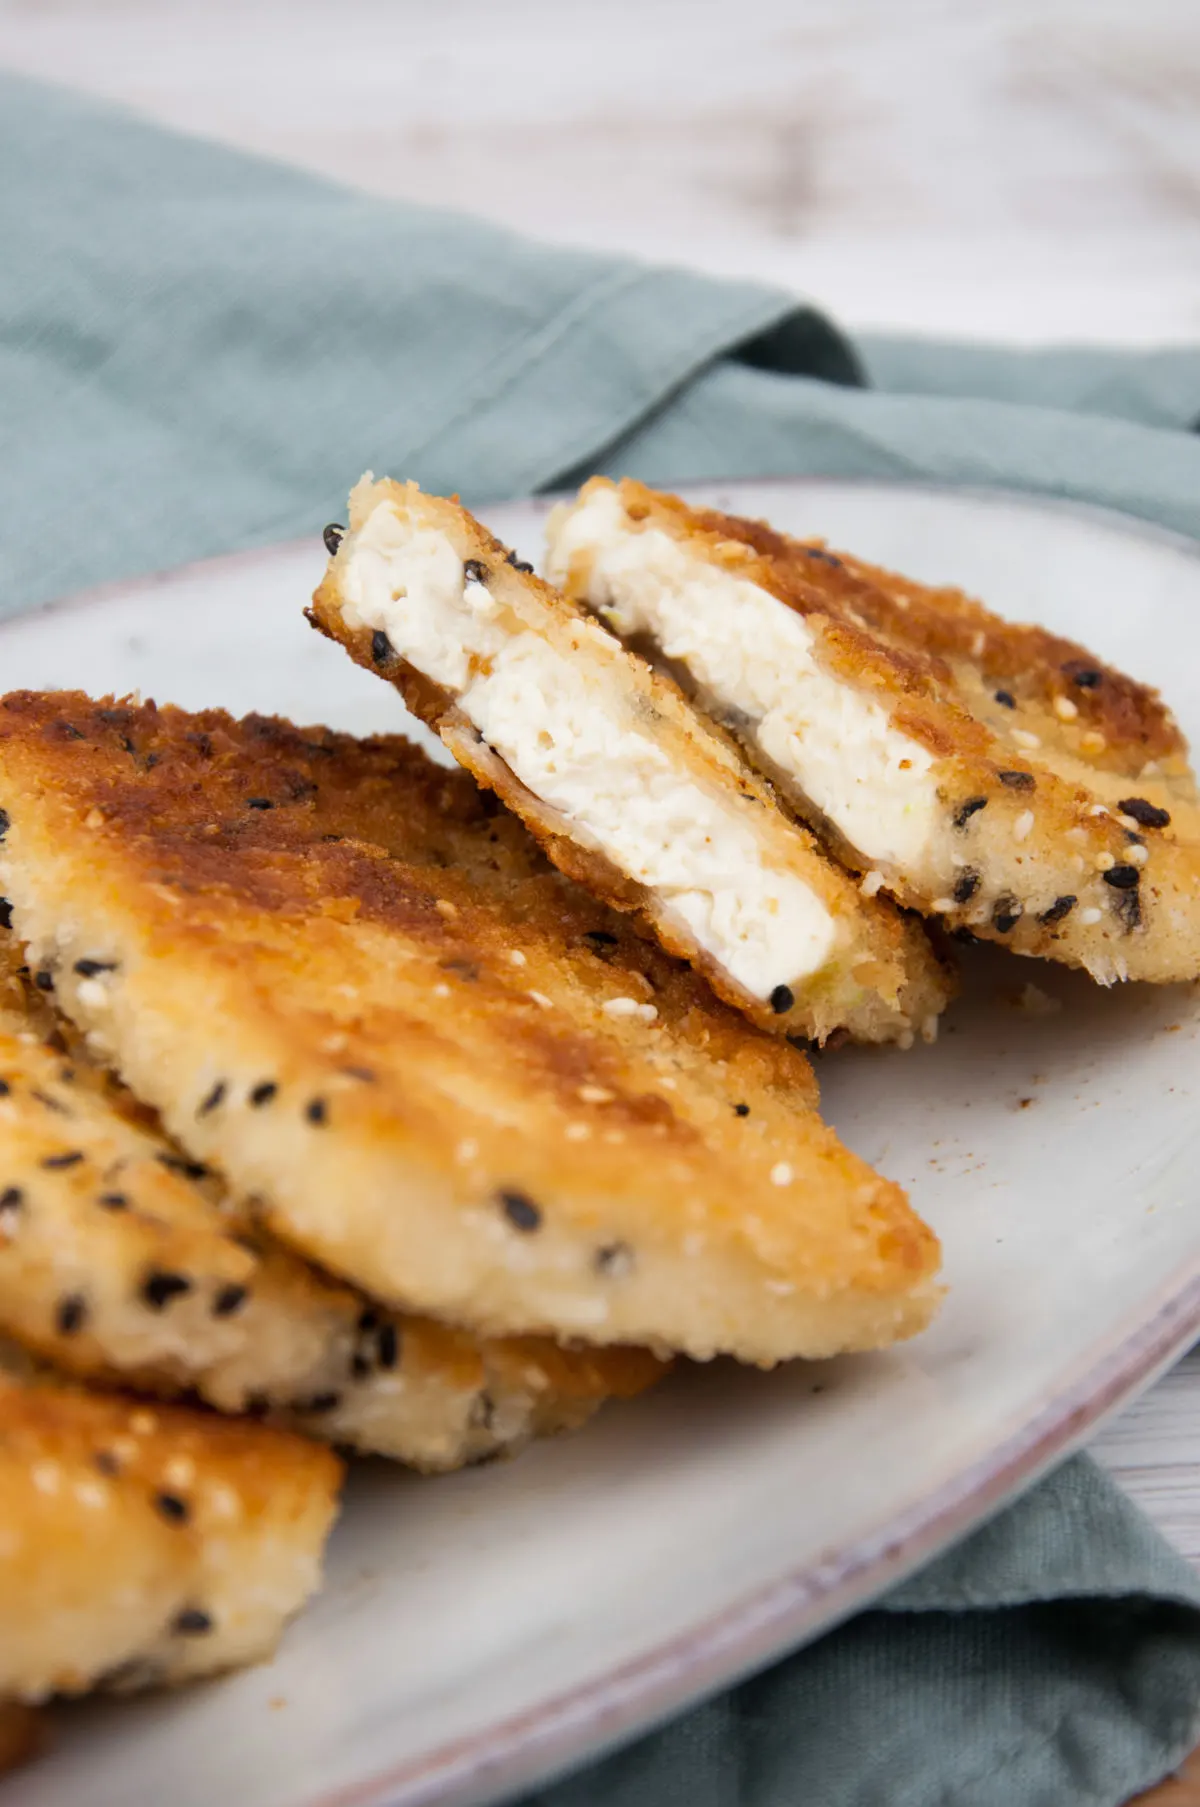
[117, 1268]
[141, 1546]
[625, 785]
[442, 1071]
[993, 776]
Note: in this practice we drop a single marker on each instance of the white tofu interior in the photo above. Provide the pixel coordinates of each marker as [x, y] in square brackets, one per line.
[565, 727]
[753, 654]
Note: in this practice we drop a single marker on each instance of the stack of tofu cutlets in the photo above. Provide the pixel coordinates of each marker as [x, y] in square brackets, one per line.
[341, 1105]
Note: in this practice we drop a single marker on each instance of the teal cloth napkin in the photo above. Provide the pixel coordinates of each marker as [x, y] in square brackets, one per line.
[199, 351]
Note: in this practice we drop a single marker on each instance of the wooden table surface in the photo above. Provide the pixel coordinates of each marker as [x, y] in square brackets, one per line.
[1027, 170]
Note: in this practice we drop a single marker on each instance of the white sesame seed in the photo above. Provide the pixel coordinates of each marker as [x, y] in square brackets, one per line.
[577, 1132]
[94, 819]
[516, 957]
[978, 644]
[46, 1477]
[1150, 769]
[539, 997]
[942, 905]
[441, 991]
[447, 909]
[1024, 738]
[1023, 826]
[1065, 709]
[180, 1471]
[1093, 742]
[92, 1494]
[1137, 855]
[782, 1174]
[466, 1150]
[1104, 862]
[92, 994]
[10, 1217]
[616, 1007]
[596, 1094]
[1130, 822]
[1098, 809]
[871, 883]
[1089, 917]
[223, 1502]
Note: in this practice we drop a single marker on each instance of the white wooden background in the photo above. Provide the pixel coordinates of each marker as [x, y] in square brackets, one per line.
[1027, 169]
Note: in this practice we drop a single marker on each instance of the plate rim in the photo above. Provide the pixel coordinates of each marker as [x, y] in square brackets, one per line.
[631, 1699]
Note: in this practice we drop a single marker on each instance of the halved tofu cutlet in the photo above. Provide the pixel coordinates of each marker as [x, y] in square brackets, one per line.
[625, 785]
[121, 1262]
[140, 1546]
[991, 775]
[350, 980]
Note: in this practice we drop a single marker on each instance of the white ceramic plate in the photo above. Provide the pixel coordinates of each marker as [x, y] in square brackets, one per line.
[480, 1631]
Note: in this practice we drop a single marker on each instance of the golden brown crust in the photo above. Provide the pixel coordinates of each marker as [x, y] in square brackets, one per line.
[434, 1008]
[120, 1264]
[1053, 769]
[888, 982]
[144, 1545]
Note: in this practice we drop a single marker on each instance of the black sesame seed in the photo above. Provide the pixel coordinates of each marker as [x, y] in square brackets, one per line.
[1007, 912]
[71, 1314]
[72, 1159]
[387, 1346]
[212, 1100]
[1086, 676]
[368, 1321]
[178, 1163]
[366, 1074]
[68, 731]
[521, 1211]
[229, 1300]
[5, 1088]
[1128, 906]
[1147, 814]
[263, 1092]
[822, 557]
[160, 1287]
[968, 809]
[5, 913]
[174, 1509]
[44, 980]
[107, 1462]
[360, 1367]
[193, 1621]
[1062, 906]
[966, 887]
[1017, 781]
[11, 1199]
[741, 1110]
[614, 1258]
[317, 1111]
[50, 1103]
[1006, 699]
[475, 571]
[319, 1403]
[259, 803]
[1122, 878]
[782, 999]
[113, 1201]
[333, 537]
[5, 823]
[381, 647]
[518, 564]
[87, 969]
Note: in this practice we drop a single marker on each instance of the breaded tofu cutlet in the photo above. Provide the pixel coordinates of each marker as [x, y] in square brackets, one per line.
[626, 786]
[118, 1269]
[140, 1546]
[991, 775]
[350, 980]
